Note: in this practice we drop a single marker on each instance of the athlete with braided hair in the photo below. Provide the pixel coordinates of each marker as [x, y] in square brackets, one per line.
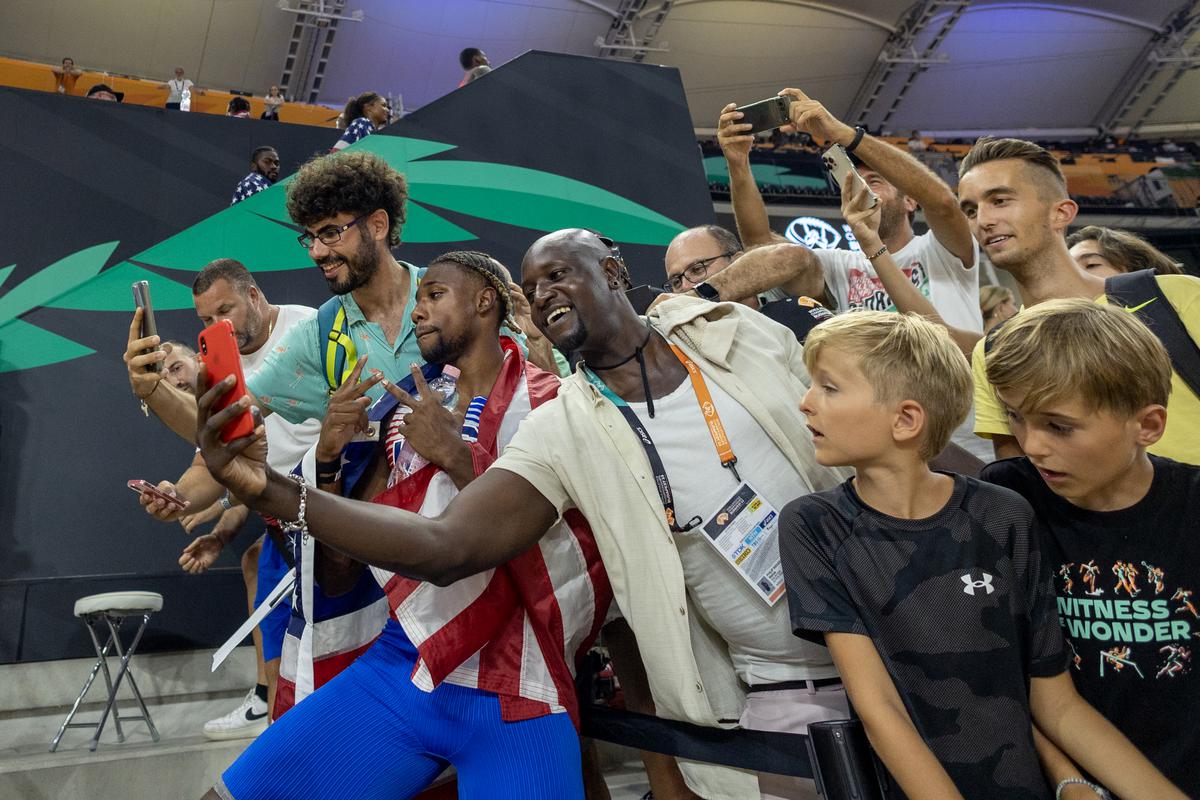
[471, 673]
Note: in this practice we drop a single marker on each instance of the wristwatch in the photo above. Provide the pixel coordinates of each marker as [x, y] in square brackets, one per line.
[708, 292]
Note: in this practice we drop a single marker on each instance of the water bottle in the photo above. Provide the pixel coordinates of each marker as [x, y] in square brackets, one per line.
[405, 459]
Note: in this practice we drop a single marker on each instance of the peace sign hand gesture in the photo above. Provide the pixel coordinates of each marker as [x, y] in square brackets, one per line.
[346, 413]
[432, 430]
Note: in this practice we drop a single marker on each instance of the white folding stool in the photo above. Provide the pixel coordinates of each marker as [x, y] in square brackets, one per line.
[108, 608]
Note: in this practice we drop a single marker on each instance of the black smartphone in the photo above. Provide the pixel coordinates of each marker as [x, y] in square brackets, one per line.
[141, 297]
[766, 115]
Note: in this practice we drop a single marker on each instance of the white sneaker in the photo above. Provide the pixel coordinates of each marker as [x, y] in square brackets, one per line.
[246, 721]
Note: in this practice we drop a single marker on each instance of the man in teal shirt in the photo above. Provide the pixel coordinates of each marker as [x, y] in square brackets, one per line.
[352, 207]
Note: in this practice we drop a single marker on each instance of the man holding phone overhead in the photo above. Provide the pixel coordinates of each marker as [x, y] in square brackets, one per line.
[941, 262]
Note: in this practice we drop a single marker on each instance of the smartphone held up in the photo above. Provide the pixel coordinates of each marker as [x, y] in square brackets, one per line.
[838, 162]
[766, 115]
[141, 298]
[219, 352]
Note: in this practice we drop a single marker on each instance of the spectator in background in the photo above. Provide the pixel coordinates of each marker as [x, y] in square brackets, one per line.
[942, 262]
[102, 91]
[180, 366]
[1015, 196]
[238, 107]
[474, 63]
[916, 144]
[271, 104]
[364, 114]
[1108, 251]
[264, 171]
[66, 75]
[178, 88]
[996, 304]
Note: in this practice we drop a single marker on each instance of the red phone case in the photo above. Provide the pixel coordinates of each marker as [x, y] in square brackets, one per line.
[219, 352]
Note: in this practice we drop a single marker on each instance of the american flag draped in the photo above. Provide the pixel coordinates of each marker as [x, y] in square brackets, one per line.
[250, 185]
[516, 630]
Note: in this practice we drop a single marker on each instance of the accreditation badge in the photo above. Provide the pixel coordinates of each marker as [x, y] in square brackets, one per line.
[745, 531]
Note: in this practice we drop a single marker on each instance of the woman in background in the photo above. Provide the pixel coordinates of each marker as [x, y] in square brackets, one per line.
[364, 115]
[271, 103]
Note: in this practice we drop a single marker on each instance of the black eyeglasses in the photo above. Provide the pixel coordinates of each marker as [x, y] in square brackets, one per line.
[694, 272]
[330, 235]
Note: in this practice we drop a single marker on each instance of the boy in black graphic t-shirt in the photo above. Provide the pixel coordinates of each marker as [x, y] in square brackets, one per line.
[930, 589]
[1122, 525]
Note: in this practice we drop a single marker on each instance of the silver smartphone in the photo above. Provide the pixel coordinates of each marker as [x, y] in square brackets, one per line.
[141, 297]
[838, 162]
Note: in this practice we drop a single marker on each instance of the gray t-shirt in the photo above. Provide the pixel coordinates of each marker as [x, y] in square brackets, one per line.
[960, 607]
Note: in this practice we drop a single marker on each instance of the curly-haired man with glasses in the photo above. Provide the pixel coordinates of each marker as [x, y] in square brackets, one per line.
[351, 207]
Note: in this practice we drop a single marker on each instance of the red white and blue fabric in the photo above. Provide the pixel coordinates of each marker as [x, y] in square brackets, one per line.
[250, 185]
[516, 630]
[357, 130]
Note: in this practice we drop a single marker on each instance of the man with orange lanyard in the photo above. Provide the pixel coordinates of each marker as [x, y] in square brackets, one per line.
[683, 511]
[722, 508]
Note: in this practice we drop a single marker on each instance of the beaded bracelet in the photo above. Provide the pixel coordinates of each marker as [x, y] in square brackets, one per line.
[1099, 790]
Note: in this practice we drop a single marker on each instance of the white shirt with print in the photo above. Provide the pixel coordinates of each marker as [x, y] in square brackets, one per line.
[951, 287]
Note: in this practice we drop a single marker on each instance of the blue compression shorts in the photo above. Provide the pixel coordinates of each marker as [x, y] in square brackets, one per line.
[271, 569]
[370, 734]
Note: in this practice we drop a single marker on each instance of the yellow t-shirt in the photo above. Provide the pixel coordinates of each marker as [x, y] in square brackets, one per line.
[1181, 441]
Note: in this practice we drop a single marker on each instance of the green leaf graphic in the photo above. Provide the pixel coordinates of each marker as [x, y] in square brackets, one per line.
[259, 233]
[256, 232]
[424, 226]
[109, 291]
[25, 346]
[57, 279]
[527, 198]
[717, 171]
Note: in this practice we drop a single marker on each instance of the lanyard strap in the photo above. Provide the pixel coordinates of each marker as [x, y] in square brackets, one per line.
[715, 429]
[709, 410]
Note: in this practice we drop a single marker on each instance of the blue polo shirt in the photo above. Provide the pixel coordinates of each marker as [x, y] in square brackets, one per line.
[291, 381]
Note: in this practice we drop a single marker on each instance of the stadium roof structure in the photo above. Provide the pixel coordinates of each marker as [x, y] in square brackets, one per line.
[944, 67]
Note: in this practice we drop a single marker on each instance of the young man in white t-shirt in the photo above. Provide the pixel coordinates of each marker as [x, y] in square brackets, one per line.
[942, 263]
[225, 289]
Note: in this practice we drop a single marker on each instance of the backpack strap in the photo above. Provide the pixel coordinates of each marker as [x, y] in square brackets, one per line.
[1139, 293]
[335, 342]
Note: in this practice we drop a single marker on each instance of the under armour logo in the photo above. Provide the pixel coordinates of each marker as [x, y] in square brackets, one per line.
[972, 584]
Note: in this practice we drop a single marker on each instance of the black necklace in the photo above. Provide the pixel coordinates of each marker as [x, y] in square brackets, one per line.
[641, 359]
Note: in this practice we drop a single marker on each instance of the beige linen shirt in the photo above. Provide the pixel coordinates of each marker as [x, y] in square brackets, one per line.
[578, 451]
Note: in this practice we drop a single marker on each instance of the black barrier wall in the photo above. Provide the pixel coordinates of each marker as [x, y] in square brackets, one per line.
[98, 195]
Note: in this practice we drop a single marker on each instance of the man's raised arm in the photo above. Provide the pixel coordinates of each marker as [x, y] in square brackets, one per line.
[790, 267]
[493, 519]
[749, 212]
[900, 169]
